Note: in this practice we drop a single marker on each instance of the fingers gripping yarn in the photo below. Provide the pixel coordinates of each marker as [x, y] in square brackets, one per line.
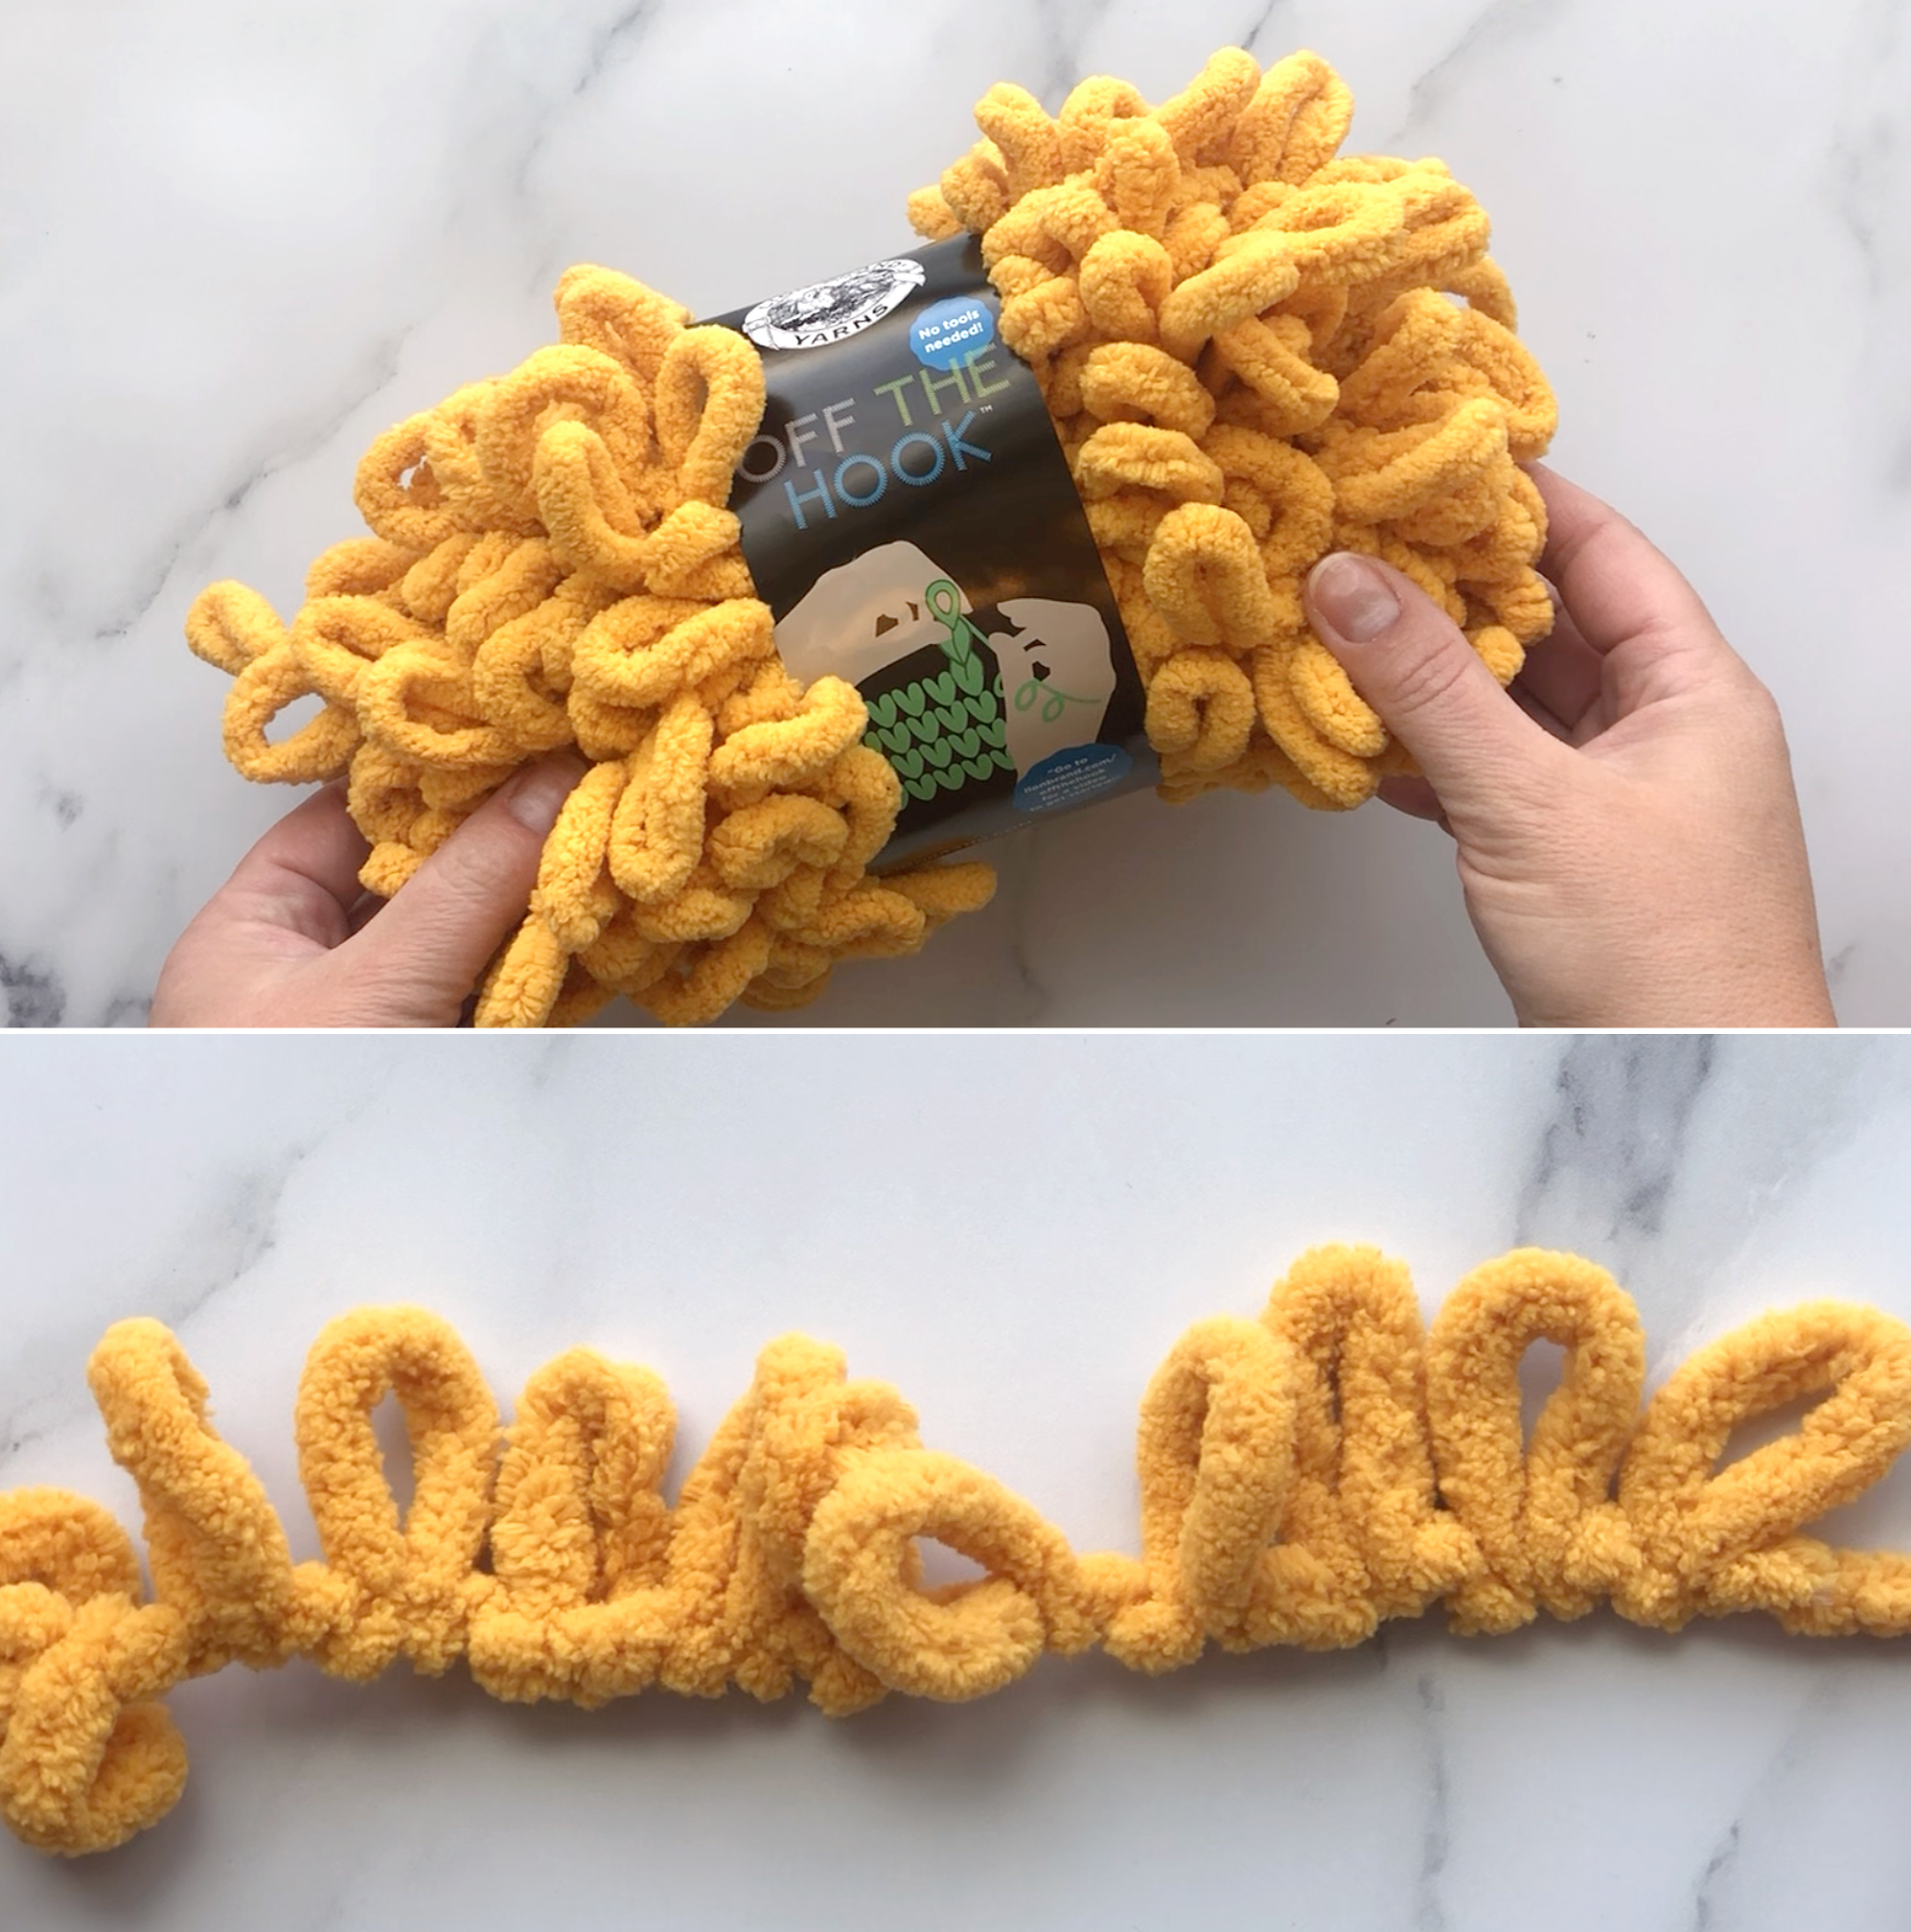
[1342, 314]
[553, 566]
[1302, 1478]
[1254, 351]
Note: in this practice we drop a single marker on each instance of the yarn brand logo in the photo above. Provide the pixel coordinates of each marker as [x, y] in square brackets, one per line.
[909, 515]
[827, 312]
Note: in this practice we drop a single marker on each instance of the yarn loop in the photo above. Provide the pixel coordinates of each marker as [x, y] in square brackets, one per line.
[1254, 350]
[1302, 1478]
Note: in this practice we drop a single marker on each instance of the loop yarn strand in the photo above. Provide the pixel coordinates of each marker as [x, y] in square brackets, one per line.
[1302, 1478]
[1254, 349]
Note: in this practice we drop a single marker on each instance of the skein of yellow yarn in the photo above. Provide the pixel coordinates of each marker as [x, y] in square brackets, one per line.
[1254, 350]
[1302, 1478]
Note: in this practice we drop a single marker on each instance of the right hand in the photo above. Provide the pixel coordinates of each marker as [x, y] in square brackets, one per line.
[1627, 831]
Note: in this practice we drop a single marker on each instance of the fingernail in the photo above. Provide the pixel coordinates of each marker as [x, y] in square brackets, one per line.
[1353, 595]
[536, 797]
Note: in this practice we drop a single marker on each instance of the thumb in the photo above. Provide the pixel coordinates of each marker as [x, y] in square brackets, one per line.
[1409, 659]
[432, 941]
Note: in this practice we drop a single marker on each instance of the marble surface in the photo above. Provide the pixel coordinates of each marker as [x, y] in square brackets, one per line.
[1013, 1231]
[235, 243]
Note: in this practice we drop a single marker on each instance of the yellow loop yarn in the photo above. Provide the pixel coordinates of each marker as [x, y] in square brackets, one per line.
[1254, 351]
[1302, 1478]
[1362, 389]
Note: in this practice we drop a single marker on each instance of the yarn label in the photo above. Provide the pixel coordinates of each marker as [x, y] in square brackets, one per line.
[909, 517]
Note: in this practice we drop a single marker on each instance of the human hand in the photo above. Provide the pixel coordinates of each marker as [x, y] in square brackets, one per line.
[291, 941]
[1628, 832]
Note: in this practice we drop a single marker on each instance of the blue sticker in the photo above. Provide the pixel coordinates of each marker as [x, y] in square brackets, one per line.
[948, 331]
[1071, 777]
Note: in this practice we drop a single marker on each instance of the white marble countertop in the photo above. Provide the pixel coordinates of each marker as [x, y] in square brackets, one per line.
[1013, 1231]
[235, 244]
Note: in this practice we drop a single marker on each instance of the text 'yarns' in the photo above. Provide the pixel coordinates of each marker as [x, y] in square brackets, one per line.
[1254, 352]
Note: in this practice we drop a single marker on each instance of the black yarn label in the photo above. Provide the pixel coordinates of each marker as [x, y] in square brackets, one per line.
[909, 517]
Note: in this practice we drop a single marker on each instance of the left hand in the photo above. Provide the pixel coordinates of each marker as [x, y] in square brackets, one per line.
[291, 940]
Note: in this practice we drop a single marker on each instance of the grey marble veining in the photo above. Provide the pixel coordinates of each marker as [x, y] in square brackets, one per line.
[1429, 1912]
[235, 246]
[1623, 1110]
[1013, 1230]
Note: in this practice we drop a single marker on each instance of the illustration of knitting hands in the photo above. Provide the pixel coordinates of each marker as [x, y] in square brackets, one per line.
[1253, 352]
[1303, 1477]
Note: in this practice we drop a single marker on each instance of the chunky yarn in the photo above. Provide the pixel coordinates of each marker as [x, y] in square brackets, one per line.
[1257, 352]
[1253, 353]
[552, 565]
[1303, 1477]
